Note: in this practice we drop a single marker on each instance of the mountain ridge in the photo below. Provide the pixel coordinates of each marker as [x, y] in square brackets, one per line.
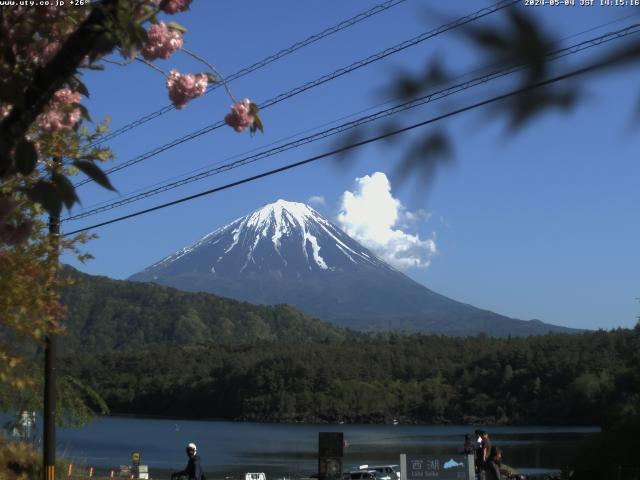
[286, 252]
[106, 314]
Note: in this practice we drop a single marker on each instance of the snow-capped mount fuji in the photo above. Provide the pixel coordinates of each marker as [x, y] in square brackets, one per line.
[286, 252]
[283, 239]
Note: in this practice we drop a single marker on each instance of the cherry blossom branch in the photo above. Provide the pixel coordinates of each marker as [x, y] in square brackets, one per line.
[150, 64]
[50, 78]
[115, 62]
[213, 69]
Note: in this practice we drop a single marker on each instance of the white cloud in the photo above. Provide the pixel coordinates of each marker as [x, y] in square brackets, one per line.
[407, 218]
[372, 216]
[316, 200]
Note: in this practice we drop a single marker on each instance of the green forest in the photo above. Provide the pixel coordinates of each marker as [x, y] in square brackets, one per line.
[590, 378]
[153, 350]
[105, 314]
[149, 350]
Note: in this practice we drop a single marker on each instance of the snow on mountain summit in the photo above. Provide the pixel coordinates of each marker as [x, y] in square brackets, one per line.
[286, 252]
[285, 238]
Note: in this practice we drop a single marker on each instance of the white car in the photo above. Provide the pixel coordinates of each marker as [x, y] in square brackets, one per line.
[386, 472]
[363, 474]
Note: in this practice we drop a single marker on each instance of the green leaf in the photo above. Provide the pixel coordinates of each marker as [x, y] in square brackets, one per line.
[104, 44]
[44, 193]
[93, 66]
[211, 78]
[26, 157]
[177, 26]
[257, 123]
[65, 189]
[92, 171]
[79, 87]
[84, 112]
[253, 108]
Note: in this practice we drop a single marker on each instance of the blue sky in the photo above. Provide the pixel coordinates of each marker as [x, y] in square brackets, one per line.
[542, 224]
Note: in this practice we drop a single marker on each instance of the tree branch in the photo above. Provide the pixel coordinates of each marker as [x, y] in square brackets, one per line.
[51, 77]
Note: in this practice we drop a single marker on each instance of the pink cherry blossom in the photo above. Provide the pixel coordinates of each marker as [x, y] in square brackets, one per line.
[5, 110]
[64, 95]
[173, 6]
[183, 88]
[60, 116]
[240, 117]
[162, 42]
[43, 51]
[49, 50]
[51, 121]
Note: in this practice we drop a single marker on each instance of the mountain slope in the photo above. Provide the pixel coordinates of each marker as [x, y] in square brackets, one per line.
[106, 314]
[287, 252]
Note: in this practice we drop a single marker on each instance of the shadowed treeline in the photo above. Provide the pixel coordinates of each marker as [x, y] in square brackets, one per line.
[589, 378]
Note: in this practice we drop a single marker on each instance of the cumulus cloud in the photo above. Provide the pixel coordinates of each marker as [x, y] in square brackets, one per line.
[316, 201]
[371, 215]
[407, 218]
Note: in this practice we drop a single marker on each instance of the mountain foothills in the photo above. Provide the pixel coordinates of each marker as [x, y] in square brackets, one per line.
[286, 252]
[106, 314]
[150, 349]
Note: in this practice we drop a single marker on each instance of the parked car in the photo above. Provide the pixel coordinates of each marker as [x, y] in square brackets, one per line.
[255, 476]
[387, 472]
[362, 475]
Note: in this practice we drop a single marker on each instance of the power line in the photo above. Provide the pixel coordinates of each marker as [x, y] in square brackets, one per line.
[319, 81]
[561, 53]
[344, 117]
[261, 63]
[351, 146]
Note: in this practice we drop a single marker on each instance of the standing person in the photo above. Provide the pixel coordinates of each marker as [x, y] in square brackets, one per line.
[486, 447]
[478, 451]
[492, 467]
[193, 470]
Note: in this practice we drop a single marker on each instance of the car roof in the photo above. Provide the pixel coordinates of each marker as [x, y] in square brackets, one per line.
[378, 466]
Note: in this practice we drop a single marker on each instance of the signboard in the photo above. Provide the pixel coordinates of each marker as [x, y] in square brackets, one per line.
[330, 444]
[330, 451]
[441, 467]
[135, 459]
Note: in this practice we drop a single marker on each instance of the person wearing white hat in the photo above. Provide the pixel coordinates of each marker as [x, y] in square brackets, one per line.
[193, 470]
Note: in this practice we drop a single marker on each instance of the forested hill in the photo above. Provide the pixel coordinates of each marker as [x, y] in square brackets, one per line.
[106, 314]
[590, 378]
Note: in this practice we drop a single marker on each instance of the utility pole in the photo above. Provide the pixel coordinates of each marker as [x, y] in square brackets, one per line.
[50, 351]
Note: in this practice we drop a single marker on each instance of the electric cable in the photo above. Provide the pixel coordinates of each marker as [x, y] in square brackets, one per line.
[519, 91]
[451, 90]
[319, 81]
[325, 124]
[260, 64]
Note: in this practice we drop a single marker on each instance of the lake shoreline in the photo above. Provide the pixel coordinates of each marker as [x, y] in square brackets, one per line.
[477, 421]
[291, 449]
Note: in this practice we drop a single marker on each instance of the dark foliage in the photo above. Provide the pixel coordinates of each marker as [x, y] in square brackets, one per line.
[590, 378]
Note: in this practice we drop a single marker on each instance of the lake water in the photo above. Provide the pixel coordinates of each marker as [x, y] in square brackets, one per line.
[231, 448]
